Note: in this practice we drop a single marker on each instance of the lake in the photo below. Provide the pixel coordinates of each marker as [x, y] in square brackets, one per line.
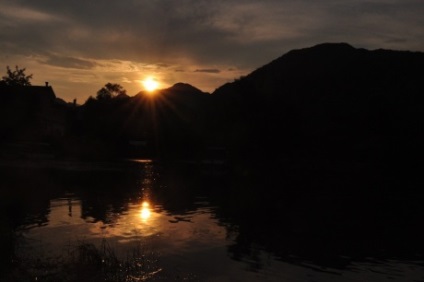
[180, 221]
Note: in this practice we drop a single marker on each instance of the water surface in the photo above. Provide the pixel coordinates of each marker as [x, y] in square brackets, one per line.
[198, 225]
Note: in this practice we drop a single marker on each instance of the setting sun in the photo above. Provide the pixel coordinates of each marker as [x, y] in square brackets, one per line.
[150, 84]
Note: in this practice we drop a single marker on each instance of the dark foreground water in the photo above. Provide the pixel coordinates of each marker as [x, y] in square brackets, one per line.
[182, 222]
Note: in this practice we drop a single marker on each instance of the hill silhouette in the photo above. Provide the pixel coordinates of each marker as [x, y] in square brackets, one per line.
[329, 102]
[163, 124]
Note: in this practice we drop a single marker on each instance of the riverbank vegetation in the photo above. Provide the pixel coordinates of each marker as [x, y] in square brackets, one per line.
[84, 261]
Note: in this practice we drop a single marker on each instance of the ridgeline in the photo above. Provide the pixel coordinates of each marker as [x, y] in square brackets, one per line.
[330, 103]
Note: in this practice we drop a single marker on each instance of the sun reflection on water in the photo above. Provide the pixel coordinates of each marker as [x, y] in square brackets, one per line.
[145, 212]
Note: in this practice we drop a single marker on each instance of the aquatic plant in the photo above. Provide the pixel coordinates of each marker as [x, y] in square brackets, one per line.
[85, 261]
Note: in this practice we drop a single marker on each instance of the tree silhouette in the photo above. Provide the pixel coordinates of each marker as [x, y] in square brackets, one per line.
[16, 77]
[110, 90]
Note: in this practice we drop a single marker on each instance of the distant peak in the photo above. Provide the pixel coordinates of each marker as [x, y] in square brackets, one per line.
[325, 49]
[181, 85]
[184, 87]
[334, 45]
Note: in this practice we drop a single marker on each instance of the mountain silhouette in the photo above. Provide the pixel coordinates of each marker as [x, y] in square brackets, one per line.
[329, 102]
[165, 123]
[185, 88]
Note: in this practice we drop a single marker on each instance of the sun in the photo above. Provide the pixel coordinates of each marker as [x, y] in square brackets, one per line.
[150, 84]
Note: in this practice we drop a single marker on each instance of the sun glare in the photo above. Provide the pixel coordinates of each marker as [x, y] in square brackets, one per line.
[150, 84]
[145, 211]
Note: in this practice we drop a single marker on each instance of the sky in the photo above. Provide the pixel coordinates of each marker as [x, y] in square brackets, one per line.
[79, 46]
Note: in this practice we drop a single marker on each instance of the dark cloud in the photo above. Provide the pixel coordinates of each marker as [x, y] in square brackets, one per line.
[69, 62]
[188, 34]
[396, 40]
[208, 31]
[163, 65]
[208, 70]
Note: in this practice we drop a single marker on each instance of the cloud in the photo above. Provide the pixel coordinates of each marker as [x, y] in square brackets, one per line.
[208, 70]
[165, 37]
[12, 12]
[69, 62]
[166, 31]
